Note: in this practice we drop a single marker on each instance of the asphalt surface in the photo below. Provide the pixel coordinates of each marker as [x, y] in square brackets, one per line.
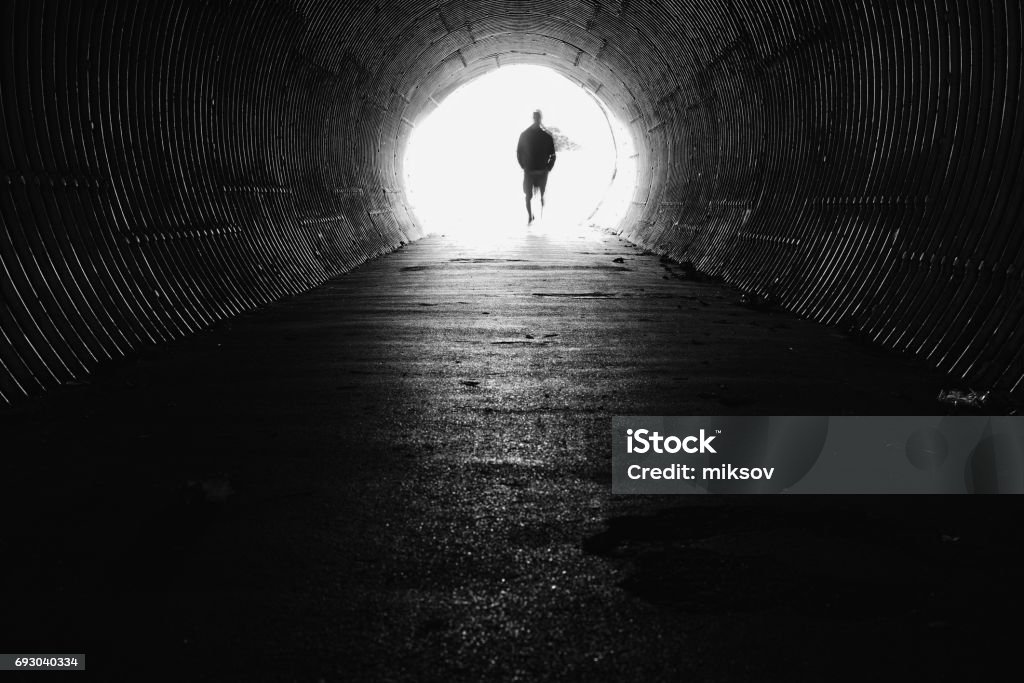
[404, 475]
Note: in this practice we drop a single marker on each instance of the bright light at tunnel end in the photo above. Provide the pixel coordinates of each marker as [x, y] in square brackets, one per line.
[461, 173]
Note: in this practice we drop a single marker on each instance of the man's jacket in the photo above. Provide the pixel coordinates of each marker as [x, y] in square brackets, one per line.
[536, 150]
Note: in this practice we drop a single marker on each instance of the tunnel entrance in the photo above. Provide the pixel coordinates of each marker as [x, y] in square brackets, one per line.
[461, 174]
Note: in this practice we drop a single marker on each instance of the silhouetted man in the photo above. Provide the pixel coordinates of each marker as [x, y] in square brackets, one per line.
[536, 154]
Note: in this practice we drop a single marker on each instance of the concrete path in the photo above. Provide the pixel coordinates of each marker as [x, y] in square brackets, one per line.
[404, 475]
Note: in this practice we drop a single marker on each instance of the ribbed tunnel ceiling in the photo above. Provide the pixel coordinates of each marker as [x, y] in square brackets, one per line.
[173, 163]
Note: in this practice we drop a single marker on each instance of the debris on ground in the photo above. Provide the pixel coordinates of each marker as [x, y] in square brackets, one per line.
[619, 260]
[470, 382]
[958, 397]
[756, 301]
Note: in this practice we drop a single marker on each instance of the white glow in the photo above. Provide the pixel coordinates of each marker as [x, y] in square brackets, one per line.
[461, 171]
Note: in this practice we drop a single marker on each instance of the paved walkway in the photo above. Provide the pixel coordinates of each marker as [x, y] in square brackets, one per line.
[405, 472]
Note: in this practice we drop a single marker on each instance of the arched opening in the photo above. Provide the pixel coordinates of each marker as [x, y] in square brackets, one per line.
[461, 174]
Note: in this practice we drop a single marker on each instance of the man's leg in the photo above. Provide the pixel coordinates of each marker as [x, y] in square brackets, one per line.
[528, 191]
[543, 185]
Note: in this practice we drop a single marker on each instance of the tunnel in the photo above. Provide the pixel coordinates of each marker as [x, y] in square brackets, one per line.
[261, 421]
[173, 164]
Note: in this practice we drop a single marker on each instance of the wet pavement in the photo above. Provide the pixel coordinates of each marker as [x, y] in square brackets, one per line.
[404, 474]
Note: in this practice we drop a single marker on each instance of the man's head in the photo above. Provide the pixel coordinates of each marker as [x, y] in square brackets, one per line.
[537, 117]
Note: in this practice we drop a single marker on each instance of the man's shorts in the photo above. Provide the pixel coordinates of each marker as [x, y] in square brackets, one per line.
[532, 179]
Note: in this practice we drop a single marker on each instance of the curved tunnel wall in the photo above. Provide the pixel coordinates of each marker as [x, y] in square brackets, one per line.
[169, 164]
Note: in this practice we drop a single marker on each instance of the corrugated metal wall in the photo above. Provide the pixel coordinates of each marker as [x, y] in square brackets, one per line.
[169, 164]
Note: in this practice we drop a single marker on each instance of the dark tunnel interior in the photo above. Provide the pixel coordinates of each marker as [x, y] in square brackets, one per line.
[171, 164]
[257, 424]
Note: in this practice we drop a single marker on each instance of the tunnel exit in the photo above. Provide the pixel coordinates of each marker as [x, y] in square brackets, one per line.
[461, 172]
